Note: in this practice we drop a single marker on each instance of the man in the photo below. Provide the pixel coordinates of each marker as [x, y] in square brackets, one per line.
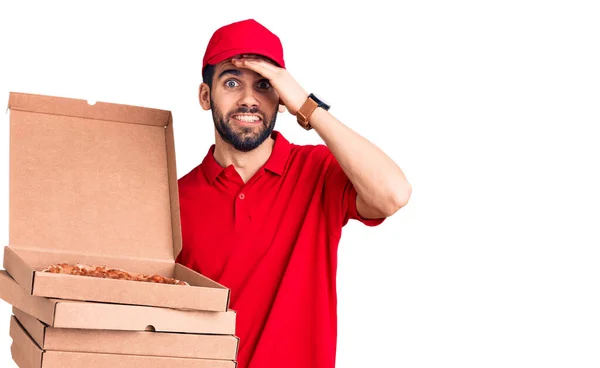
[263, 216]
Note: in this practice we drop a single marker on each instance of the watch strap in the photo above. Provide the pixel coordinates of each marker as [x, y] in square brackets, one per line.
[304, 113]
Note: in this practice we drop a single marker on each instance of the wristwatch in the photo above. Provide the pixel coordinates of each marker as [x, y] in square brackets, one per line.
[306, 110]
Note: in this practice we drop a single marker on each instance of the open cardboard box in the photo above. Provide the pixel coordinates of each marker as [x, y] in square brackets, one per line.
[106, 316]
[97, 184]
[179, 345]
[27, 354]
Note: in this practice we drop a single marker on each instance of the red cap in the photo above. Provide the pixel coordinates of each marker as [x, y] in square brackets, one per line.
[243, 37]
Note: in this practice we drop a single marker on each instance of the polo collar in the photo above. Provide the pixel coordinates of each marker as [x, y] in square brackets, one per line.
[276, 162]
[279, 155]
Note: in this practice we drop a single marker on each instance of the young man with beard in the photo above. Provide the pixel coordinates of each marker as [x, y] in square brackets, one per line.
[264, 216]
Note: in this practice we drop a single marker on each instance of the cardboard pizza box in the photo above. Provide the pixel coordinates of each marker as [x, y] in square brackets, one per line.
[97, 185]
[168, 344]
[27, 354]
[106, 316]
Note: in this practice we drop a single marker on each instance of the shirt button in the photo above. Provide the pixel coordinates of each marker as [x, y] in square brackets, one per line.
[242, 196]
[227, 174]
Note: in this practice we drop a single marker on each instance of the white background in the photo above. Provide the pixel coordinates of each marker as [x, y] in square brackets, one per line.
[489, 108]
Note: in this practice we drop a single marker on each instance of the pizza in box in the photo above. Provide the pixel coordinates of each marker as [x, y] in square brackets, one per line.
[109, 273]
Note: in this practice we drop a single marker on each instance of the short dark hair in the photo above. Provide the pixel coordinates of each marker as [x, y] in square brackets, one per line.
[207, 74]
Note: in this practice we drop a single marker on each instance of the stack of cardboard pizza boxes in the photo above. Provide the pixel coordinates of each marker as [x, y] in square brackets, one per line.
[96, 185]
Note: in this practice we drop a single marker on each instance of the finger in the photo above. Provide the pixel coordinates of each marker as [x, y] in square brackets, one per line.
[261, 67]
[248, 64]
[263, 63]
[250, 61]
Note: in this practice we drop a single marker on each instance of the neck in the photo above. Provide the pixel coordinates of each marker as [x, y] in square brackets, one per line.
[245, 163]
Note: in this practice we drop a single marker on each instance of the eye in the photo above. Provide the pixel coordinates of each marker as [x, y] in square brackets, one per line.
[264, 84]
[231, 83]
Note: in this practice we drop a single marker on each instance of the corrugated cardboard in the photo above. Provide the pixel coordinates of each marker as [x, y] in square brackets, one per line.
[27, 354]
[219, 347]
[105, 316]
[97, 184]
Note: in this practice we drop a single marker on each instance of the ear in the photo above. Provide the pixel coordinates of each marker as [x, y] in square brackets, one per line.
[204, 96]
[281, 106]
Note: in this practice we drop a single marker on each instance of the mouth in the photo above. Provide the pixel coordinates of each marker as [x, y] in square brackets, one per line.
[247, 119]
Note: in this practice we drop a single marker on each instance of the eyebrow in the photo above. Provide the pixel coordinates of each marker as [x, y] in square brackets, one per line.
[235, 72]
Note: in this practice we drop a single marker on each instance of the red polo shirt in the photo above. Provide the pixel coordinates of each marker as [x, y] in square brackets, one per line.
[273, 241]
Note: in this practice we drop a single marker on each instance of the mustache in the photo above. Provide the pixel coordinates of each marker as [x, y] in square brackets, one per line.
[246, 110]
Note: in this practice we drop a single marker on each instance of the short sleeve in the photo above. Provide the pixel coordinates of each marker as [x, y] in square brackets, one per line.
[339, 197]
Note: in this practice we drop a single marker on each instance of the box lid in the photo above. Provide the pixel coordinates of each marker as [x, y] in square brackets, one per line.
[98, 179]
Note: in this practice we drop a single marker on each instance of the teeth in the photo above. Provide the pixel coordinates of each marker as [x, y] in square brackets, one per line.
[247, 118]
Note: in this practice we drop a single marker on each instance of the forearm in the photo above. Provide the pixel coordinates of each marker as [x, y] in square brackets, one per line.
[379, 181]
[381, 186]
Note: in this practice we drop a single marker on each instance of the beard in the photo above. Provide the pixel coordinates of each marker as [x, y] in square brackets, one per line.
[243, 139]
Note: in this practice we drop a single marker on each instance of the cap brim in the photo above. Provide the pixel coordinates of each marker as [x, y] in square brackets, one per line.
[224, 55]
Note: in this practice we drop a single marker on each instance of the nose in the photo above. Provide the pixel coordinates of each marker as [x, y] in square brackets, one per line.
[248, 97]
